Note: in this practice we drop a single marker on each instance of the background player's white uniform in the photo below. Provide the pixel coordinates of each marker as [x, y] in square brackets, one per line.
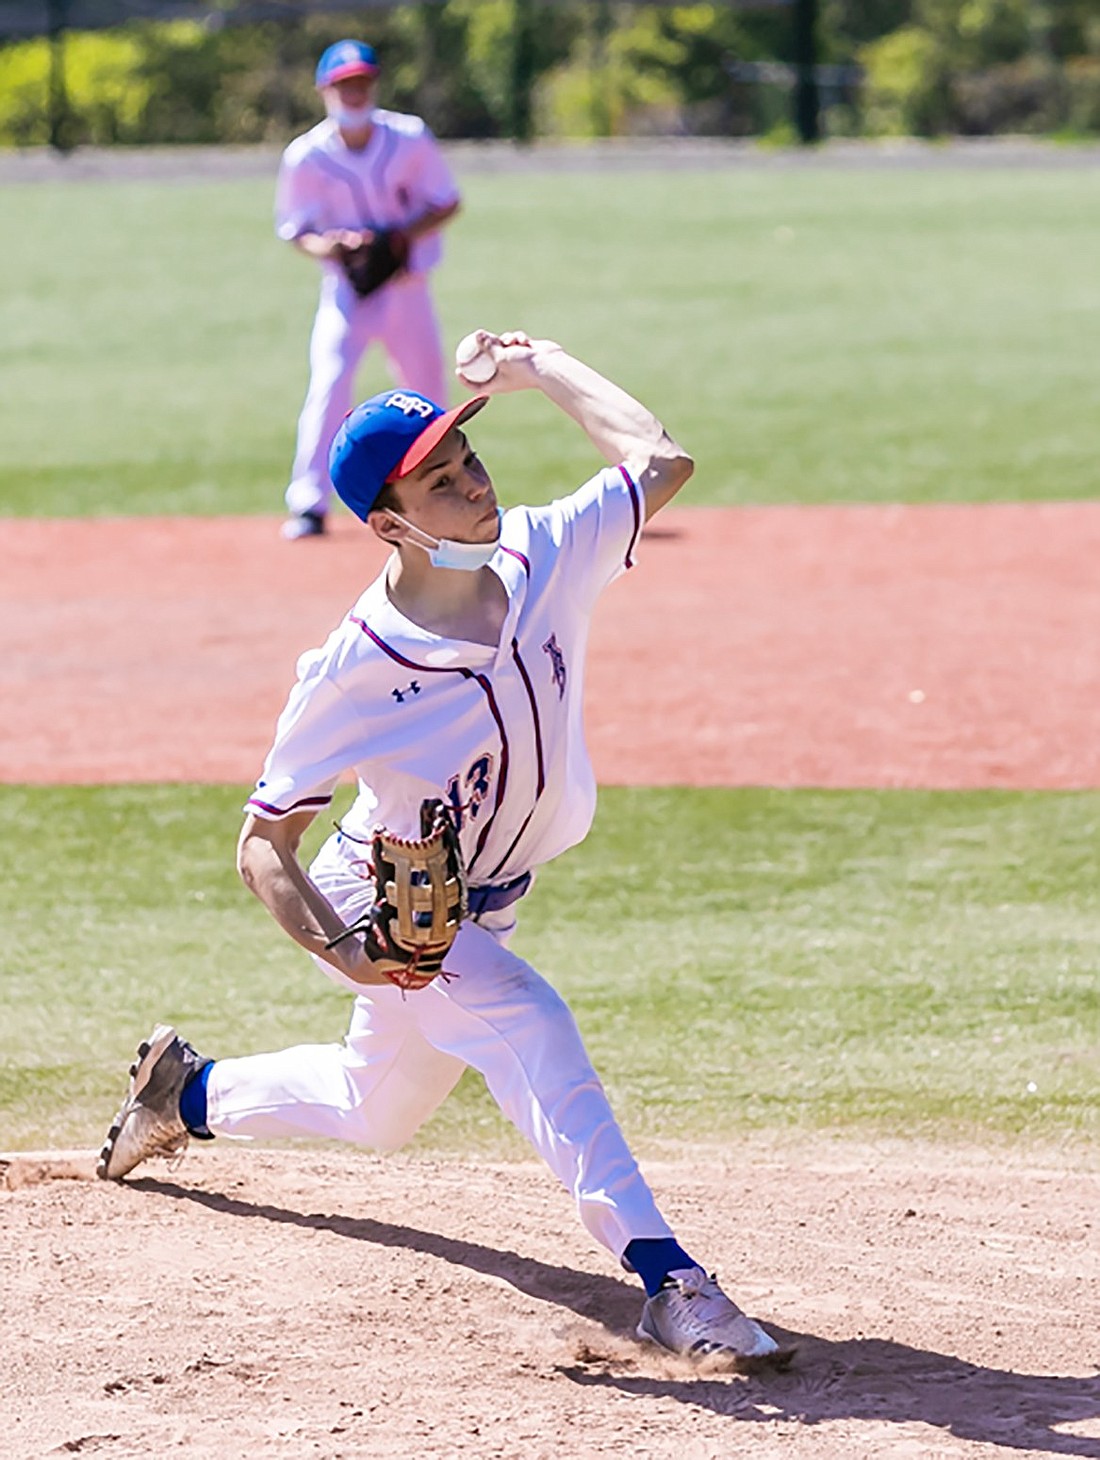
[323, 185]
[498, 732]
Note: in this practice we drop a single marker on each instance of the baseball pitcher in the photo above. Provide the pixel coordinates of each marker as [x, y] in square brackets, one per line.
[453, 691]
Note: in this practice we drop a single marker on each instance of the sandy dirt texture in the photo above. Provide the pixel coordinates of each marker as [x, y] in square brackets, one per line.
[940, 646]
[339, 1304]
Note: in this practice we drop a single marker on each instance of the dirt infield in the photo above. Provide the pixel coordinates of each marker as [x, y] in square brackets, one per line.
[277, 1304]
[943, 646]
[338, 1304]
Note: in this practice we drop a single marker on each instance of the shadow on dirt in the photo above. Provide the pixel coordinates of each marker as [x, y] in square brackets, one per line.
[865, 1378]
[873, 1379]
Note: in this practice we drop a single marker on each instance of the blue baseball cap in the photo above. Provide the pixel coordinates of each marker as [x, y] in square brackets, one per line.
[344, 59]
[387, 437]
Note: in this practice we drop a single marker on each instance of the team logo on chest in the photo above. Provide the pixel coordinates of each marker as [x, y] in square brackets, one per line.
[467, 793]
[557, 662]
[400, 695]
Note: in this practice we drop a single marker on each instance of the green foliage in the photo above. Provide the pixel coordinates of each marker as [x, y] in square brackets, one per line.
[659, 69]
[595, 69]
[1029, 96]
[613, 84]
[908, 962]
[191, 84]
[24, 73]
[974, 33]
[904, 92]
[487, 45]
[670, 61]
[419, 76]
[107, 96]
[981, 67]
[1083, 102]
[1069, 28]
[846, 25]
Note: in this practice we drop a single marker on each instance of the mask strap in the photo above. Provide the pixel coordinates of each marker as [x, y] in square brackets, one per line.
[429, 543]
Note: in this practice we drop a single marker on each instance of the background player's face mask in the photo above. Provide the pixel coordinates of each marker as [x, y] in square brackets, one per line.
[348, 116]
[445, 552]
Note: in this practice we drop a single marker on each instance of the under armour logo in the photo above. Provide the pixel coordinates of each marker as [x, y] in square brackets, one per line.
[410, 689]
[557, 660]
[411, 405]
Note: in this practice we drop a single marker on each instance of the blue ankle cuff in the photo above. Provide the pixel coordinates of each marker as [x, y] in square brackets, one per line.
[193, 1103]
[653, 1258]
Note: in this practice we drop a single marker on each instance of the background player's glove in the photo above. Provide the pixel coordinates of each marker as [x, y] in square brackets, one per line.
[420, 900]
[370, 265]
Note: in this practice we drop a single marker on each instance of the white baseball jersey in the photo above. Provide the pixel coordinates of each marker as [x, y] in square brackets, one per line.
[401, 172]
[497, 732]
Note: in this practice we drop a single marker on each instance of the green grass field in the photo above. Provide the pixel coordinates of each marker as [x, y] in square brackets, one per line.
[810, 335]
[901, 963]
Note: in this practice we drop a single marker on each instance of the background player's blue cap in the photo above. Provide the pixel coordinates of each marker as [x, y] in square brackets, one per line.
[387, 437]
[345, 58]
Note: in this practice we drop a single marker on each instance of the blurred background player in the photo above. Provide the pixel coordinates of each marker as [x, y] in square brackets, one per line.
[359, 172]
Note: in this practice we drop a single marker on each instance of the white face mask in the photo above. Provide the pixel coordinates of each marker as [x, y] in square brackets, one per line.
[352, 117]
[445, 552]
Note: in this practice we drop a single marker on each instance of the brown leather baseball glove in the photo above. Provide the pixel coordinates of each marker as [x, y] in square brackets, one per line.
[373, 264]
[420, 900]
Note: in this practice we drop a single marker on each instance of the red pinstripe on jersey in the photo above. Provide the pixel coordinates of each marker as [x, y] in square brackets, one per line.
[628, 560]
[313, 802]
[487, 689]
[541, 782]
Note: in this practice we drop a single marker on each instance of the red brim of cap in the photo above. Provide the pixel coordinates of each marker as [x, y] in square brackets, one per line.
[354, 68]
[433, 434]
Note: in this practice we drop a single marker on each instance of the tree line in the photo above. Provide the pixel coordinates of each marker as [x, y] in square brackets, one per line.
[572, 68]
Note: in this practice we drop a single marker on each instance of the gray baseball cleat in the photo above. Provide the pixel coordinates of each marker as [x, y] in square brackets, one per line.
[692, 1315]
[149, 1123]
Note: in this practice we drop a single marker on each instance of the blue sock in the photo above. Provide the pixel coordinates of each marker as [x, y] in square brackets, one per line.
[653, 1258]
[193, 1104]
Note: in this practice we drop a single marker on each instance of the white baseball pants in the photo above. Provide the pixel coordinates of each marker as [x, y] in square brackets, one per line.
[403, 1055]
[401, 318]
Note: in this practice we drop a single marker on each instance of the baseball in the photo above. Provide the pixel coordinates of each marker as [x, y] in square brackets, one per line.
[474, 362]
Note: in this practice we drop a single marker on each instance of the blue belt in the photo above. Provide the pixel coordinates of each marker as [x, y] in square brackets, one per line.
[493, 899]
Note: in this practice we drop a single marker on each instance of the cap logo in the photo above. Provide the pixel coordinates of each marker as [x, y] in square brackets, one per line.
[411, 405]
